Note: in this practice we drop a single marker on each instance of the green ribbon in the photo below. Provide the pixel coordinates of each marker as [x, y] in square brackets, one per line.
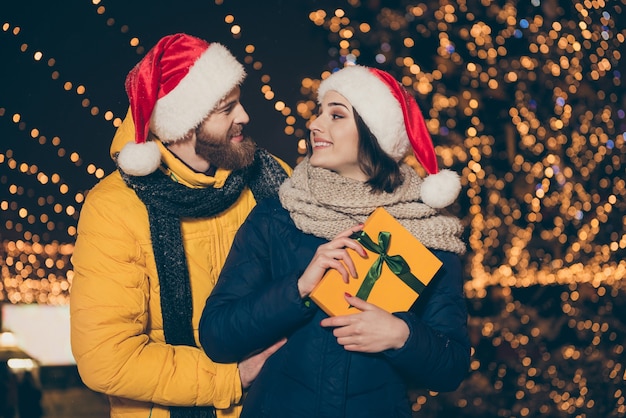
[396, 263]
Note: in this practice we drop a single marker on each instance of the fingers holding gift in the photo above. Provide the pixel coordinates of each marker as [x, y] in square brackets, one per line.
[332, 255]
[371, 331]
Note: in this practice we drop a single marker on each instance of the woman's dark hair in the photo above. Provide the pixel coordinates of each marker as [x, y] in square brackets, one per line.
[383, 172]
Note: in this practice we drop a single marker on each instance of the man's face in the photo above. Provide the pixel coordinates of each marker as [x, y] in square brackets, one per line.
[220, 140]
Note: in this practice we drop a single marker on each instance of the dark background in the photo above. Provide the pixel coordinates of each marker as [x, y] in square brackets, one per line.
[89, 52]
[524, 98]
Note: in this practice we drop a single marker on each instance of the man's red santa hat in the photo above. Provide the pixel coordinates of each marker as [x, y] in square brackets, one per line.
[394, 117]
[171, 91]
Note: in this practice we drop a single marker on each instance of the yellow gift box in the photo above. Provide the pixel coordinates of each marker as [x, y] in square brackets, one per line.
[396, 270]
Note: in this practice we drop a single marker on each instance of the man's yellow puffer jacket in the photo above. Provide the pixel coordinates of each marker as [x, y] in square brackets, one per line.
[116, 323]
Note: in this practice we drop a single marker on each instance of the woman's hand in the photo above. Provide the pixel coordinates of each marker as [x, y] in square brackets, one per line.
[371, 331]
[332, 255]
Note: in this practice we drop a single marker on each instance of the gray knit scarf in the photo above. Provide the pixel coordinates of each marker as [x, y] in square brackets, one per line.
[167, 202]
[323, 203]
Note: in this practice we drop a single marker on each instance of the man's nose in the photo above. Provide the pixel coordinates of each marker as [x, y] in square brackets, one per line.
[242, 116]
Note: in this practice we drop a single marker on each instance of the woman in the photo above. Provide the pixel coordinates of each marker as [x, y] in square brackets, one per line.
[356, 365]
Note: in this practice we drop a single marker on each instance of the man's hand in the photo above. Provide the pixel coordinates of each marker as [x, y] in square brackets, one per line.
[249, 368]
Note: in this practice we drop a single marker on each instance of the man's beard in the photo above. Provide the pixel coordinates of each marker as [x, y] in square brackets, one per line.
[223, 153]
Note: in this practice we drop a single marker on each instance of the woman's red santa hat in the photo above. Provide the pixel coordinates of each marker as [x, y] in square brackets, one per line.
[394, 117]
[172, 90]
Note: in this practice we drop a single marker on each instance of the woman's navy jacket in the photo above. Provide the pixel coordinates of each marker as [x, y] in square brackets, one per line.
[256, 302]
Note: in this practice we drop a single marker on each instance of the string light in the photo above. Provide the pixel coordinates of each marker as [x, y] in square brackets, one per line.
[525, 100]
[49, 207]
[526, 104]
[539, 191]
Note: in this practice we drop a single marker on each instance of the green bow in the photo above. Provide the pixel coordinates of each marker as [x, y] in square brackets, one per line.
[396, 263]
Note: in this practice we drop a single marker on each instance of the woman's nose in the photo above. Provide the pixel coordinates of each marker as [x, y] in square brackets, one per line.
[316, 124]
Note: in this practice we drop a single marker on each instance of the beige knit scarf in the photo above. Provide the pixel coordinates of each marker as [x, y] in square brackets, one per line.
[323, 203]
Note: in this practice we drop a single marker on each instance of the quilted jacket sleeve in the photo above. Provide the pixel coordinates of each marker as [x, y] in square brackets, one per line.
[437, 354]
[254, 304]
[115, 319]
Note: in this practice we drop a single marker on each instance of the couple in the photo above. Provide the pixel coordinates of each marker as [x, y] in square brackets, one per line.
[154, 235]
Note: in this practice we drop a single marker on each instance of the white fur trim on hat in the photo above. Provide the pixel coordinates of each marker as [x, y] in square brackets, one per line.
[373, 101]
[139, 159]
[208, 81]
[440, 190]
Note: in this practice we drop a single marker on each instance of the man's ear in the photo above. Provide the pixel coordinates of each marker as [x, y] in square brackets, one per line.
[188, 137]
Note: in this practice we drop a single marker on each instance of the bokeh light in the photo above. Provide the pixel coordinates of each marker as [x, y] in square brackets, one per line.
[525, 99]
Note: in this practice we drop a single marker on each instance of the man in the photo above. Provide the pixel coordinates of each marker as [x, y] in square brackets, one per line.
[153, 236]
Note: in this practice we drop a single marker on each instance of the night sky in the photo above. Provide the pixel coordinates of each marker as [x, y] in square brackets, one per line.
[525, 99]
[93, 49]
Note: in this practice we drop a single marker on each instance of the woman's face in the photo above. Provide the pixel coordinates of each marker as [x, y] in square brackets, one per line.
[335, 138]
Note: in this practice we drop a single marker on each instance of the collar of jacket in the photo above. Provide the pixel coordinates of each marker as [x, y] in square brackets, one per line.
[182, 173]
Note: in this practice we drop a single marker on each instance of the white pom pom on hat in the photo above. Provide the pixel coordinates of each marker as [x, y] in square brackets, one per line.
[171, 90]
[396, 120]
[441, 189]
[139, 159]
